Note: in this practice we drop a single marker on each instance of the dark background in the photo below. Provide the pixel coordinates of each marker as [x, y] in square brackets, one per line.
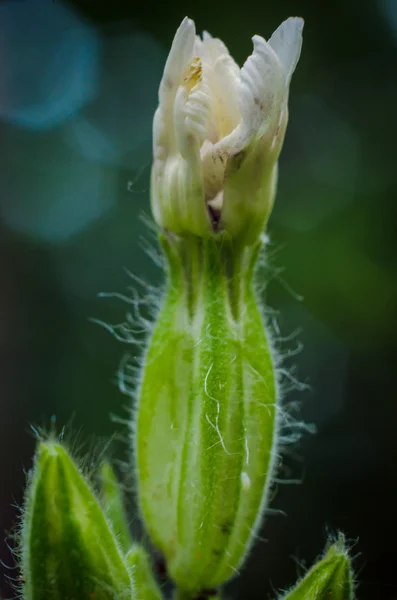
[78, 86]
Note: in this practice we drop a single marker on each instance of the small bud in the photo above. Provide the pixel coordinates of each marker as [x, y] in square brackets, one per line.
[146, 587]
[329, 579]
[218, 132]
[113, 504]
[68, 550]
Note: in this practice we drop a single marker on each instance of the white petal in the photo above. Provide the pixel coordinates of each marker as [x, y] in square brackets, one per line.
[159, 135]
[178, 60]
[198, 48]
[191, 118]
[197, 112]
[224, 79]
[286, 41]
[222, 75]
[262, 89]
[214, 47]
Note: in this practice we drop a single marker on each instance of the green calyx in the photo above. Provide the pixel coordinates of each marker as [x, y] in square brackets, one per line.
[68, 549]
[206, 424]
[329, 579]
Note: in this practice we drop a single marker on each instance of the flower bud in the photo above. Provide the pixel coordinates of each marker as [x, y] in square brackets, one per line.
[68, 549]
[206, 424]
[218, 132]
[331, 578]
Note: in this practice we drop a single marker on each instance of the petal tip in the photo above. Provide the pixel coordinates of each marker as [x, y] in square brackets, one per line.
[258, 39]
[299, 22]
[186, 28]
[186, 22]
[286, 41]
[259, 43]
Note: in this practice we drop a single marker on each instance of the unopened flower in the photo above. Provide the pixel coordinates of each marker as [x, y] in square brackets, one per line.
[68, 549]
[206, 425]
[218, 132]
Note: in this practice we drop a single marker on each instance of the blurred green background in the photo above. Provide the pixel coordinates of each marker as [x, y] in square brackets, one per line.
[78, 88]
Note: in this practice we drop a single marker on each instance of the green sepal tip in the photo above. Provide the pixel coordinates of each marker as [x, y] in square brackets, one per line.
[331, 578]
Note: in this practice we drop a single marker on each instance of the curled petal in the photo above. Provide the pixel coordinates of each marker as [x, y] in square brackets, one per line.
[226, 112]
[197, 111]
[222, 75]
[180, 56]
[191, 118]
[262, 90]
[214, 47]
[286, 41]
[177, 196]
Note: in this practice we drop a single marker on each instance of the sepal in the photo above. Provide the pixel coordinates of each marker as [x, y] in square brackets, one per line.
[331, 578]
